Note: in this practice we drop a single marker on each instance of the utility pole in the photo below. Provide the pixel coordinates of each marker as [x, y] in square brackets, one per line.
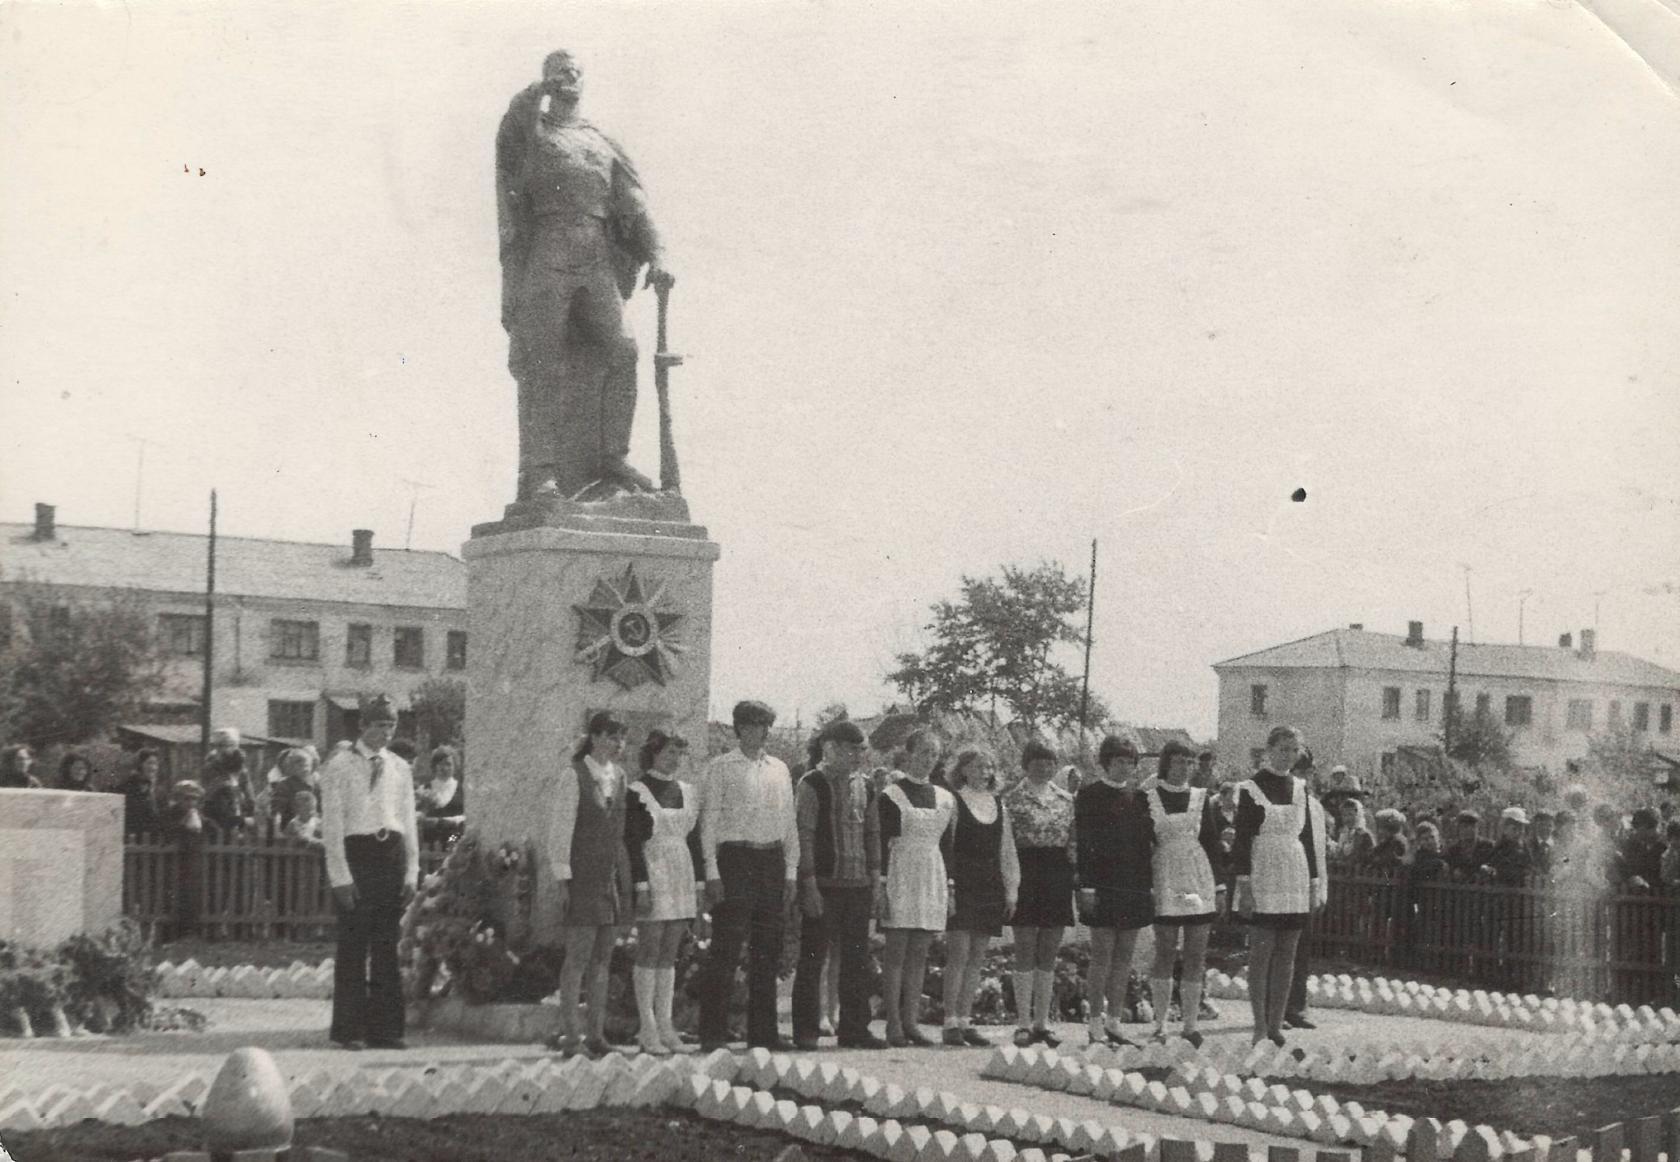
[1522, 598]
[414, 487]
[1452, 698]
[1598, 596]
[139, 477]
[1090, 618]
[209, 628]
[1469, 609]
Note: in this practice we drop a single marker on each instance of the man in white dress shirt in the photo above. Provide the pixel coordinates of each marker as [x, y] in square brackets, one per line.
[749, 834]
[373, 863]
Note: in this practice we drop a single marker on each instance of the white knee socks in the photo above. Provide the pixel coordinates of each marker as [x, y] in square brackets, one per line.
[664, 993]
[647, 1032]
[1023, 998]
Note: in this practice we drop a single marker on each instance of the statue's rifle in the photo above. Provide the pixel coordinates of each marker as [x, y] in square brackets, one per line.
[670, 480]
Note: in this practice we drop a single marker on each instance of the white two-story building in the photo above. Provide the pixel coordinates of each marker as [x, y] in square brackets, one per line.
[302, 631]
[1364, 698]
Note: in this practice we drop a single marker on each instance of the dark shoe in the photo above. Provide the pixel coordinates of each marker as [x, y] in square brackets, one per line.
[1046, 1038]
[1276, 1039]
[1121, 1041]
[1023, 1038]
[866, 1041]
[779, 1045]
[713, 1046]
[1300, 1023]
[351, 1044]
[973, 1036]
[953, 1037]
[597, 1047]
[387, 1043]
[806, 1044]
[897, 1040]
[914, 1036]
[1194, 1037]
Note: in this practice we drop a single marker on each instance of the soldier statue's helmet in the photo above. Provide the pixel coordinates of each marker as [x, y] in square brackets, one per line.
[561, 65]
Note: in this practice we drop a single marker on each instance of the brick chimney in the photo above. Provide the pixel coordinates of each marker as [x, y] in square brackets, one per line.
[361, 546]
[1589, 645]
[46, 526]
[1414, 634]
[1566, 641]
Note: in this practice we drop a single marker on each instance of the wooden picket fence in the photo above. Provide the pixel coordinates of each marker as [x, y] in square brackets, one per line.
[264, 888]
[1567, 939]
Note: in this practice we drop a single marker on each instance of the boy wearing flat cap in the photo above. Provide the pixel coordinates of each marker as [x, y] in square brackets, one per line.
[373, 862]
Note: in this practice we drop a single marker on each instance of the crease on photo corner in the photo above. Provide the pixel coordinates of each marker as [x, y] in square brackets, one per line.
[1648, 29]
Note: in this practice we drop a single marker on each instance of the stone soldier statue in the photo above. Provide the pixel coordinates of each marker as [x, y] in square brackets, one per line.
[575, 233]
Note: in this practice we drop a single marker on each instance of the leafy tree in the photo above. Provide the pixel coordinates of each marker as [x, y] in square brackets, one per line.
[1477, 739]
[997, 641]
[1621, 756]
[72, 668]
[440, 710]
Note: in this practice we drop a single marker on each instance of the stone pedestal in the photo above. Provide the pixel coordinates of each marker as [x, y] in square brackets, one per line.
[61, 865]
[574, 608]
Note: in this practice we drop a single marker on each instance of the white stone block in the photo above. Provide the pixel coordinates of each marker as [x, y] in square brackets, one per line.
[851, 1136]
[912, 1146]
[20, 1116]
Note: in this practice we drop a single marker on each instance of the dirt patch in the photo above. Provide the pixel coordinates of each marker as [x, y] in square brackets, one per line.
[592, 1136]
[1527, 1106]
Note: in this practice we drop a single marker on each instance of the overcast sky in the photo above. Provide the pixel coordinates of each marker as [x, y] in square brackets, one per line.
[959, 285]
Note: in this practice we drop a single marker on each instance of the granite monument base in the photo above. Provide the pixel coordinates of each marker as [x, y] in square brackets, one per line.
[573, 608]
[61, 865]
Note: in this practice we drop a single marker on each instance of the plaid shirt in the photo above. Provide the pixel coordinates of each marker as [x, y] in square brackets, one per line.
[856, 840]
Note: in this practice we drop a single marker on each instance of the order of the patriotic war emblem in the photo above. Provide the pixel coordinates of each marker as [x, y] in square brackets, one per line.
[629, 632]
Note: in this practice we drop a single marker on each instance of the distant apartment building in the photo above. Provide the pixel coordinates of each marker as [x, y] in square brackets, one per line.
[302, 631]
[1373, 701]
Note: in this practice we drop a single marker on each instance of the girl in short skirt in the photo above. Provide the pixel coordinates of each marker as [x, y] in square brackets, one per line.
[1279, 857]
[914, 816]
[985, 879]
[1041, 817]
[662, 836]
[1186, 827]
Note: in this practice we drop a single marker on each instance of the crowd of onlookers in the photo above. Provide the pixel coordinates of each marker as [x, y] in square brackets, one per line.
[229, 800]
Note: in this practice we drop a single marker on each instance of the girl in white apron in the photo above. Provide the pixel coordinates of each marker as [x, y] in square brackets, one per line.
[1279, 859]
[664, 844]
[1186, 828]
[915, 817]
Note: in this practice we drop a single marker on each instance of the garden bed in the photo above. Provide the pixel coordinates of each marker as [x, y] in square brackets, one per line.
[615, 1135]
[1555, 1106]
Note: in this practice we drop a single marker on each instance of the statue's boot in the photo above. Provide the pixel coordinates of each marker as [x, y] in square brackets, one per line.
[631, 480]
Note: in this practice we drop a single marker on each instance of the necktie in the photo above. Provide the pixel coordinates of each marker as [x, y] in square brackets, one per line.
[376, 767]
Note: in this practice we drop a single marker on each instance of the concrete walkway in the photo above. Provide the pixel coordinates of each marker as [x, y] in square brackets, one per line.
[294, 1032]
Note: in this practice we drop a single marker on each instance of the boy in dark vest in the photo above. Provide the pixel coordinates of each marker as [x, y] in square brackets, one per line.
[839, 872]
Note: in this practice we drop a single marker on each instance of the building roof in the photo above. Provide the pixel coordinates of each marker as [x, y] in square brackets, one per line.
[1359, 649]
[245, 567]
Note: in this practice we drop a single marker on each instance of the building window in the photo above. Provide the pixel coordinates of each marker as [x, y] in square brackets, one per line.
[1449, 704]
[1615, 712]
[1386, 765]
[1665, 718]
[1519, 710]
[1420, 709]
[455, 650]
[1484, 703]
[1580, 714]
[1642, 716]
[182, 633]
[358, 647]
[410, 649]
[294, 720]
[295, 641]
[1257, 700]
[1391, 702]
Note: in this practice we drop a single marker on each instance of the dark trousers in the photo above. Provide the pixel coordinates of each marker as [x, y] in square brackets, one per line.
[845, 920]
[1297, 1005]
[754, 881]
[367, 986]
